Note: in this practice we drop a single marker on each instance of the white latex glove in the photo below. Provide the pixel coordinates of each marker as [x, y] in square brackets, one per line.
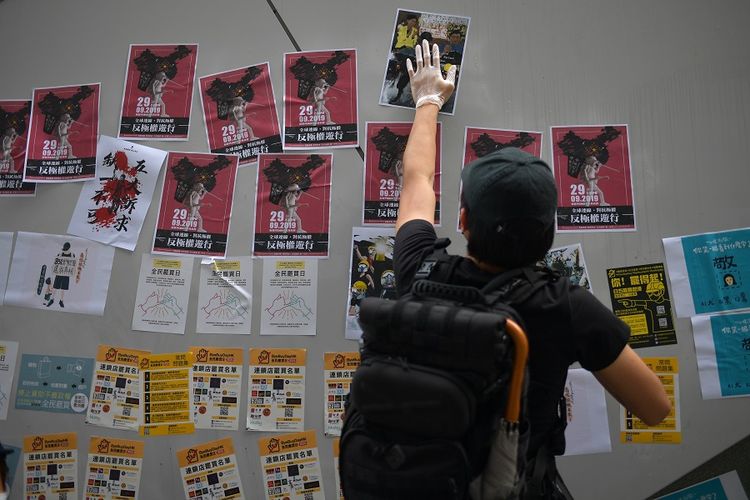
[427, 83]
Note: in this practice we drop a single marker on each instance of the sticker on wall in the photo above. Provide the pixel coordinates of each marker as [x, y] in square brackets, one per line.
[161, 302]
[209, 470]
[225, 296]
[114, 468]
[290, 297]
[58, 384]
[15, 116]
[276, 400]
[291, 467]
[216, 387]
[722, 349]
[50, 463]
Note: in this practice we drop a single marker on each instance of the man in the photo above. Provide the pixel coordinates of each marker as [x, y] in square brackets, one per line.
[507, 216]
[455, 44]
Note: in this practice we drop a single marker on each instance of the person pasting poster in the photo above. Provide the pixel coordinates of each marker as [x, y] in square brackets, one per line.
[196, 204]
[63, 132]
[158, 93]
[239, 111]
[14, 130]
[293, 205]
[320, 99]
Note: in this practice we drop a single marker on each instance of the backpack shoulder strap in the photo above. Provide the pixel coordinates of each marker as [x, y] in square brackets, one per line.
[517, 285]
[438, 264]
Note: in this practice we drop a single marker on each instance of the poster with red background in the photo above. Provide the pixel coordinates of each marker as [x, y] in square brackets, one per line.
[593, 174]
[320, 99]
[383, 178]
[196, 204]
[239, 112]
[14, 127]
[293, 205]
[63, 133]
[158, 93]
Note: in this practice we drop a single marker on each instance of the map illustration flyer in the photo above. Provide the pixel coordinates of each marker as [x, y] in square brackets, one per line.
[290, 297]
[161, 302]
[225, 296]
[15, 116]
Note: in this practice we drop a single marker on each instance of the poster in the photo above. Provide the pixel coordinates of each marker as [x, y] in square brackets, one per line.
[293, 205]
[709, 272]
[592, 170]
[6, 250]
[58, 384]
[276, 389]
[371, 272]
[216, 387]
[289, 302]
[634, 430]
[225, 296]
[239, 112]
[14, 127]
[722, 349]
[588, 427]
[568, 261]
[8, 356]
[59, 273]
[167, 400]
[336, 443]
[640, 298]
[209, 471]
[338, 371]
[724, 487]
[320, 99]
[196, 205]
[410, 28]
[291, 467]
[161, 302]
[50, 463]
[115, 399]
[384, 171]
[112, 207]
[63, 130]
[158, 94]
[114, 468]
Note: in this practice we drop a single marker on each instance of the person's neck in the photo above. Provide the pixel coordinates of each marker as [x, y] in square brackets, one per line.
[483, 266]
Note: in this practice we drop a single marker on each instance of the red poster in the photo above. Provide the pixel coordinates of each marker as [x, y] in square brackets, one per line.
[63, 132]
[293, 205]
[14, 127]
[384, 170]
[592, 170]
[320, 99]
[196, 204]
[239, 111]
[158, 92]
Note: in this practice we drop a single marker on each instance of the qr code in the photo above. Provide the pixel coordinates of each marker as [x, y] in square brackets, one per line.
[663, 322]
[62, 495]
[288, 412]
[224, 411]
[126, 411]
[309, 495]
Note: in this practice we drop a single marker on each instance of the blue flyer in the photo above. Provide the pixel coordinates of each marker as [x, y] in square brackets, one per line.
[58, 384]
[722, 349]
[724, 487]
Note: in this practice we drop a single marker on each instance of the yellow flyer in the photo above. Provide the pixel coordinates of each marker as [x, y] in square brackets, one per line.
[115, 399]
[216, 387]
[50, 466]
[209, 471]
[291, 467]
[167, 403]
[276, 390]
[114, 468]
[337, 476]
[339, 369]
[634, 430]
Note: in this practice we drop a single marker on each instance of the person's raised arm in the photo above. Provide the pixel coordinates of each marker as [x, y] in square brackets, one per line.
[430, 91]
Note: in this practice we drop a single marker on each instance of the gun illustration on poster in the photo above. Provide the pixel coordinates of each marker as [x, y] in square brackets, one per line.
[384, 171]
[63, 131]
[57, 384]
[722, 349]
[290, 464]
[320, 99]
[568, 261]
[225, 296]
[50, 463]
[216, 385]
[290, 297]
[158, 94]
[293, 205]
[209, 470]
[114, 468]
[592, 171]
[14, 128]
[239, 112]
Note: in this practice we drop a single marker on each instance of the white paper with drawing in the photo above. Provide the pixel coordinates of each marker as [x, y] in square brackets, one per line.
[225, 296]
[161, 303]
[289, 297]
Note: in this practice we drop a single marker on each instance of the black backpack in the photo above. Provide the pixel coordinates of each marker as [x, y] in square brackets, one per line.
[434, 378]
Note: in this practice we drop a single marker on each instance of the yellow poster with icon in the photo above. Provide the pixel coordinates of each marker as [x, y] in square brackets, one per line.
[114, 468]
[337, 378]
[291, 467]
[167, 402]
[216, 387]
[209, 470]
[276, 399]
[50, 466]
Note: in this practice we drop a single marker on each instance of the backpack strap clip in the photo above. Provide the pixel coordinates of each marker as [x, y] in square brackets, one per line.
[431, 266]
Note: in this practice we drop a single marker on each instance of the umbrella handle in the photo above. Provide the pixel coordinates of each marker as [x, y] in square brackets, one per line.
[520, 355]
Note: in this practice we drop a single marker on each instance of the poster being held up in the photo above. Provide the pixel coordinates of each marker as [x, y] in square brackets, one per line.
[14, 127]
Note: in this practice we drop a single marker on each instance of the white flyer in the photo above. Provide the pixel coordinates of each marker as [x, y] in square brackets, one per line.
[114, 468]
[338, 371]
[59, 273]
[290, 464]
[225, 296]
[161, 302]
[8, 355]
[216, 386]
[6, 247]
[276, 399]
[289, 297]
[588, 426]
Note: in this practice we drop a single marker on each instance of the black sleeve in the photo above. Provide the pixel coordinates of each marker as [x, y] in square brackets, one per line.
[599, 335]
[412, 240]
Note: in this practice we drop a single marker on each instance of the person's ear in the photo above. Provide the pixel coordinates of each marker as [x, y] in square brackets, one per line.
[463, 222]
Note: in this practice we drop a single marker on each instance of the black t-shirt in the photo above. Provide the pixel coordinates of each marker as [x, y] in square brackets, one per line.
[564, 323]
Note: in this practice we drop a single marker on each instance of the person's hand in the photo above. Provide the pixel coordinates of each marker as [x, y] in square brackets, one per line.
[427, 83]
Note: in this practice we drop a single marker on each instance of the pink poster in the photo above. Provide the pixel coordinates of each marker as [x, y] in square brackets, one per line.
[63, 133]
[14, 127]
[196, 204]
[239, 112]
[158, 92]
[293, 205]
[320, 99]
[384, 170]
[592, 170]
